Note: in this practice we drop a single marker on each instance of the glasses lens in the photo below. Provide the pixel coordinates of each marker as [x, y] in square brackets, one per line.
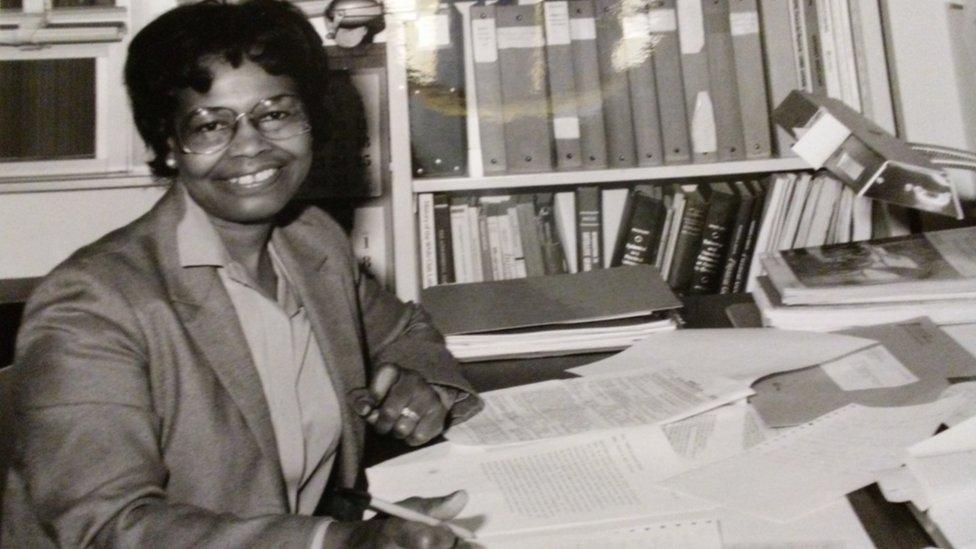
[207, 130]
[280, 117]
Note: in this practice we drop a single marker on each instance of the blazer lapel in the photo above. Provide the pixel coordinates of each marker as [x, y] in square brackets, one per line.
[205, 309]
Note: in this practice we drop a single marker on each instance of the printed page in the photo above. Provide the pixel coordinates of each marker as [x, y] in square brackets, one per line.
[717, 434]
[563, 407]
[813, 464]
[744, 354]
[589, 479]
[692, 533]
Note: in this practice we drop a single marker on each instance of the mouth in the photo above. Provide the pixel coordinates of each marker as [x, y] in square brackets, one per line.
[254, 180]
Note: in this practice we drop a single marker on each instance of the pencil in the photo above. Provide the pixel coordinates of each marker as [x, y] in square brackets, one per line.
[399, 511]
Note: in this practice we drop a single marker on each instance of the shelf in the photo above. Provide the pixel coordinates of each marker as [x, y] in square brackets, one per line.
[548, 179]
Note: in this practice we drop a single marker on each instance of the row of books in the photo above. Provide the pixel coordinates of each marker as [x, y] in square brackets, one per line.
[703, 238]
[582, 84]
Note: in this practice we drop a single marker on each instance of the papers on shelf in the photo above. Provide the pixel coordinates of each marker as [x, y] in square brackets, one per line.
[566, 406]
[571, 339]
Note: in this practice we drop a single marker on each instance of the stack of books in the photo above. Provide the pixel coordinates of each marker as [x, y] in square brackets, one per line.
[871, 282]
[595, 311]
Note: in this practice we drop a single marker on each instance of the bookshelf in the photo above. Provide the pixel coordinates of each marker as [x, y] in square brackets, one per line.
[405, 187]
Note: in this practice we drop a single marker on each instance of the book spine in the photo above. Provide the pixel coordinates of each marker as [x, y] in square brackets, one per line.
[615, 85]
[707, 268]
[737, 240]
[562, 86]
[460, 239]
[552, 247]
[749, 248]
[488, 89]
[473, 215]
[484, 243]
[722, 80]
[589, 228]
[529, 233]
[639, 45]
[750, 78]
[663, 20]
[442, 235]
[688, 241]
[426, 234]
[694, 73]
[589, 97]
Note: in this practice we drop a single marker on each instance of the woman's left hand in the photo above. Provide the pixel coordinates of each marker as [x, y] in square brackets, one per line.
[400, 401]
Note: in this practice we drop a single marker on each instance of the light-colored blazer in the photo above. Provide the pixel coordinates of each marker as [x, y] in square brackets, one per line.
[137, 416]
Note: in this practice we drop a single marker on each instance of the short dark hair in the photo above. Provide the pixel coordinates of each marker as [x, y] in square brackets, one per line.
[172, 53]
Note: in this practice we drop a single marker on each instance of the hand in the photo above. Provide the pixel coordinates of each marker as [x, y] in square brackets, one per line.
[400, 401]
[384, 531]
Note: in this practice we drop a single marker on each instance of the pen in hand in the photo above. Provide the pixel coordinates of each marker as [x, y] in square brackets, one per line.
[366, 500]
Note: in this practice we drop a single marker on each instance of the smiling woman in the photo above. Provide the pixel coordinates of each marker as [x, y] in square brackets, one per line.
[205, 375]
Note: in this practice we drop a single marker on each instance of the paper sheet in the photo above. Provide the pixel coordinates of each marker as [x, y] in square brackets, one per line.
[737, 353]
[592, 478]
[691, 534]
[813, 464]
[717, 434]
[562, 407]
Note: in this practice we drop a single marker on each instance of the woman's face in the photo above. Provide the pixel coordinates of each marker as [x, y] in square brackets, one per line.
[254, 177]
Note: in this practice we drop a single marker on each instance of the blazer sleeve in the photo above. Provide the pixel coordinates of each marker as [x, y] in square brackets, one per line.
[88, 439]
[403, 334]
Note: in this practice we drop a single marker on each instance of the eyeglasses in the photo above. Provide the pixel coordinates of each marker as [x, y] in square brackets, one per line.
[211, 129]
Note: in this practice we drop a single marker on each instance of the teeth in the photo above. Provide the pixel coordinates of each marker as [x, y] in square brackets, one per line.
[254, 179]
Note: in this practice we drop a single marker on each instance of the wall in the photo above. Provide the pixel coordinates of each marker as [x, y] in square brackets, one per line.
[39, 230]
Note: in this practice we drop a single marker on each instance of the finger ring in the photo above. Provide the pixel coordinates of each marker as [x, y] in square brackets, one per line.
[410, 414]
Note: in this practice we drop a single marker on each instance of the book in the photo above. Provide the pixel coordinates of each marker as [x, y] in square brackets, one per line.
[723, 204]
[522, 63]
[663, 23]
[615, 85]
[435, 90]
[562, 85]
[553, 253]
[428, 239]
[442, 238]
[531, 240]
[737, 236]
[814, 46]
[872, 64]
[613, 202]
[694, 74]
[752, 237]
[638, 48]
[488, 89]
[932, 265]
[730, 141]
[461, 251]
[586, 72]
[589, 228]
[750, 77]
[602, 294]
[640, 228]
[688, 238]
[677, 212]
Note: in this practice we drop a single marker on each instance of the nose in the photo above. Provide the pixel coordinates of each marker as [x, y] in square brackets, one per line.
[247, 140]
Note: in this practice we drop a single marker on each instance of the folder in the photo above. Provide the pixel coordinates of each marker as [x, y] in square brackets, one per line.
[751, 79]
[586, 70]
[694, 74]
[603, 294]
[663, 23]
[435, 87]
[722, 80]
[615, 85]
[488, 89]
[639, 46]
[780, 62]
[522, 61]
[562, 84]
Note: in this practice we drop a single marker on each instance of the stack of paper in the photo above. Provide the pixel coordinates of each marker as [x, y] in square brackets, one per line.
[598, 310]
[871, 282]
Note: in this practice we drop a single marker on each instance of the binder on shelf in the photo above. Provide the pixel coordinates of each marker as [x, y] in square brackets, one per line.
[722, 80]
[780, 62]
[663, 23]
[750, 77]
[639, 46]
[522, 62]
[435, 87]
[589, 228]
[694, 75]
[586, 72]
[488, 89]
[562, 85]
[615, 85]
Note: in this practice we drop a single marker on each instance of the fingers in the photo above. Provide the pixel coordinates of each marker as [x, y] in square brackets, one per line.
[401, 402]
[440, 508]
[384, 379]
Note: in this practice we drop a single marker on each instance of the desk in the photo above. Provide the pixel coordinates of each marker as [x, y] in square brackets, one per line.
[889, 525]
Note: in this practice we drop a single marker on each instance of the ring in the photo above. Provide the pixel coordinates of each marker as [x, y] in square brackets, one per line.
[410, 414]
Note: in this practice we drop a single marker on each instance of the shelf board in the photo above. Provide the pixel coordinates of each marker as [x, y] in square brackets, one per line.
[549, 179]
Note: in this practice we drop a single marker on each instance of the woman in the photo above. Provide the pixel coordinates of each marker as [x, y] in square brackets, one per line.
[203, 376]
